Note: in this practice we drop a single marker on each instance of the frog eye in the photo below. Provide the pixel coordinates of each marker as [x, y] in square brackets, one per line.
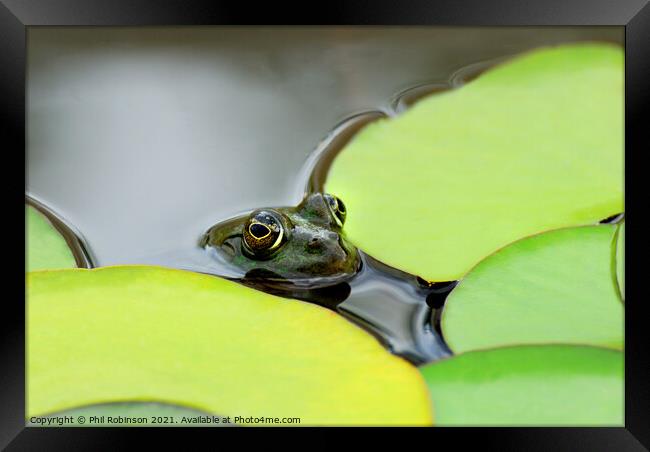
[337, 207]
[263, 233]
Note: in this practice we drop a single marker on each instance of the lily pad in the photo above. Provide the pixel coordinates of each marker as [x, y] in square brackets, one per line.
[130, 414]
[529, 386]
[620, 259]
[531, 145]
[147, 333]
[46, 248]
[555, 287]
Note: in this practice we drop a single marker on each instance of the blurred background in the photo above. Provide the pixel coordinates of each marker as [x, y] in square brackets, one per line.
[142, 138]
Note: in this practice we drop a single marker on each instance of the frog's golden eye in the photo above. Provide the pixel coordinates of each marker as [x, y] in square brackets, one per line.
[263, 233]
[337, 207]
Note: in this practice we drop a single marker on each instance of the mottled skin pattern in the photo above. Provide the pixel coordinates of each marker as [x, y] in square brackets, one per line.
[314, 248]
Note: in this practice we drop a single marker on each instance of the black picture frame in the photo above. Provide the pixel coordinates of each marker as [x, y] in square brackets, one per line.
[634, 15]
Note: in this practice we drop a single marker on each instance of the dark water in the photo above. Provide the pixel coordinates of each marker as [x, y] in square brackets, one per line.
[143, 155]
[393, 306]
[613, 219]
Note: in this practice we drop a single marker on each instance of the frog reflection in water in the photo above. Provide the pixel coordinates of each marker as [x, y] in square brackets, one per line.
[292, 251]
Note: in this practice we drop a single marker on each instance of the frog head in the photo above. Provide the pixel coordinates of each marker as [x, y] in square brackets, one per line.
[300, 246]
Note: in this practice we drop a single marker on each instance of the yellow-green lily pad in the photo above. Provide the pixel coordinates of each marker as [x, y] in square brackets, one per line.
[152, 334]
[531, 145]
[555, 287]
[45, 246]
[529, 386]
[620, 259]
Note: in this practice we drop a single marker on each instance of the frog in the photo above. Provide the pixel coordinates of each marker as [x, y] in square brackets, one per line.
[289, 250]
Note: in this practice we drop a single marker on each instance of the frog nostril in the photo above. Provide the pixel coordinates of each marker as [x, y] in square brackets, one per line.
[314, 245]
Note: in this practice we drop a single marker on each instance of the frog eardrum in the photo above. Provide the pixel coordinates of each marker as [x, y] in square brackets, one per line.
[263, 233]
[337, 207]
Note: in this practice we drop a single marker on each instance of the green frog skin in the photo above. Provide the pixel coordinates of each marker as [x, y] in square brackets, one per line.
[302, 246]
